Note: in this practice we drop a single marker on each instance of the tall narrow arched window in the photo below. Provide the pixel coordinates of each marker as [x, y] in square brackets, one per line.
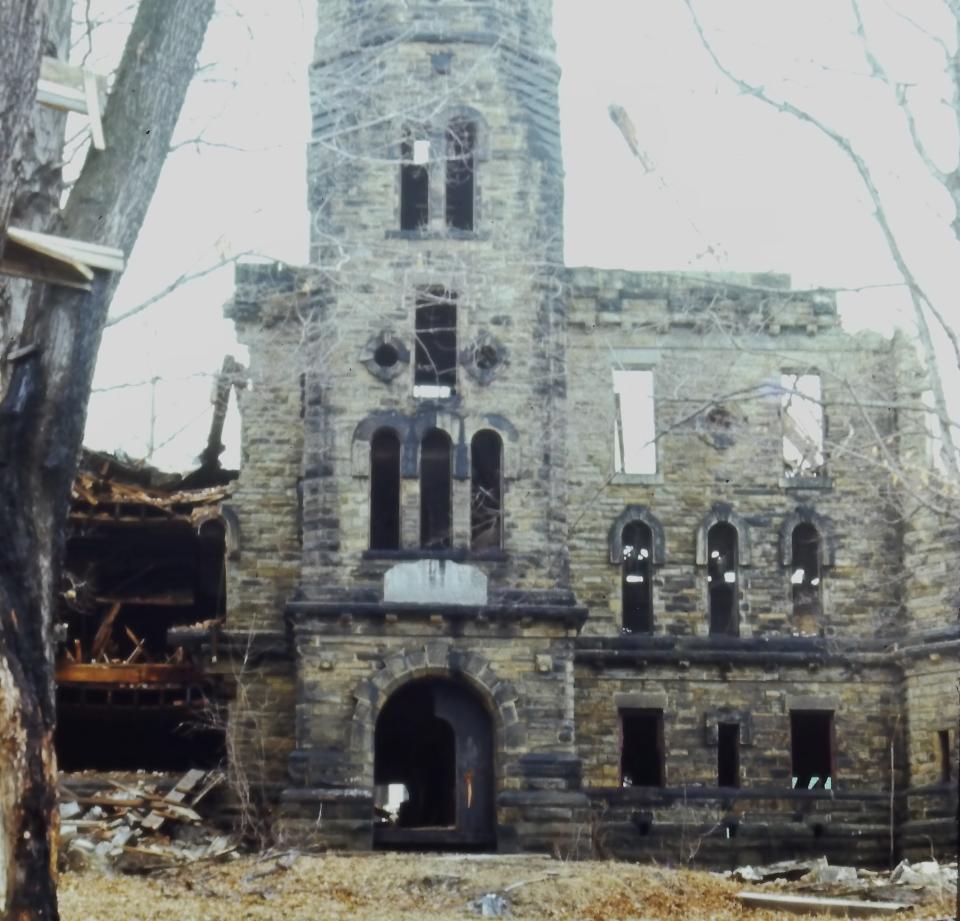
[805, 576]
[436, 521]
[461, 140]
[636, 578]
[385, 490]
[486, 491]
[723, 578]
[414, 182]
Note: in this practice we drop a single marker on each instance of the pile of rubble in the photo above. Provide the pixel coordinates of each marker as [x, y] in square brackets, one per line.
[814, 884]
[132, 826]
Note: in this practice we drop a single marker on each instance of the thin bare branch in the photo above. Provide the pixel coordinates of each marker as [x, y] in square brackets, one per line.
[180, 280]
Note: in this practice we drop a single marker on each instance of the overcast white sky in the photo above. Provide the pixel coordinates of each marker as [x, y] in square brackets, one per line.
[735, 185]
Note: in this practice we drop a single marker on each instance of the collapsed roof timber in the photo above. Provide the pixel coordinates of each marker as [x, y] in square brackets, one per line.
[145, 555]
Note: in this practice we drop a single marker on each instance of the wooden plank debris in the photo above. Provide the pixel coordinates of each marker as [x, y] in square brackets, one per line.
[74, 89]
[58, 260]
[811, 905]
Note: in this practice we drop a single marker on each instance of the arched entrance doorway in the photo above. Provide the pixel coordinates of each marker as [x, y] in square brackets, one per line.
[433, 768]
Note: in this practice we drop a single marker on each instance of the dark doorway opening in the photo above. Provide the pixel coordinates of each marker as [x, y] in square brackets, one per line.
[433, 769]
[641, 755]
[728, 755]
[811, 743]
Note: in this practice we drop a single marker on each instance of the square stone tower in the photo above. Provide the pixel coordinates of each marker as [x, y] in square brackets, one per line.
[402, 501]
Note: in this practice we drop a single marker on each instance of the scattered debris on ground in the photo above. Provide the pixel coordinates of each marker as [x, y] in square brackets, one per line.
[394, 886]
[906, 885]
[132, 826]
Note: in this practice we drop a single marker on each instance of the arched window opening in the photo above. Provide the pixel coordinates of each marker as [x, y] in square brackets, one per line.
[461, 140]
[486, 491]
[636, 579]
[385, 490]
[436, 523]
[722, 578]
[805, 576]
[414, 183]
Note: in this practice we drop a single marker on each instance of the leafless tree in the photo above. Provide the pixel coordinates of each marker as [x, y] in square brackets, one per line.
[55, 334]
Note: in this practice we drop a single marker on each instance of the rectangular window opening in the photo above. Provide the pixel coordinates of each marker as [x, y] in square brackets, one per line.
[435, 366]
[811, 746]
[728, 755]
[801, 418]
[460, 175]
[943, 745]
[635, 445]
[414, 184]
[641, 752]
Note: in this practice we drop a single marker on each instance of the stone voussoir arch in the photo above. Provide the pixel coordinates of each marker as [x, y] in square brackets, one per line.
[434, 660]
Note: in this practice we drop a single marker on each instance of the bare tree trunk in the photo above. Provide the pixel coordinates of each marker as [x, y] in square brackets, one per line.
[21, 711]
[43, 413]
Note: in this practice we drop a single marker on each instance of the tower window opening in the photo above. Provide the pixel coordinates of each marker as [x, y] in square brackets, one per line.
[811, 745]
[722, 579]
[414, 184]
[635, 436]
[436, 523]
[461, 139]
[943, 746]
[801, 417]
[636, 573]
[486, 491]
[728, 755]
[641, 752]
[805, 577]
[435, 367]
[385, 490]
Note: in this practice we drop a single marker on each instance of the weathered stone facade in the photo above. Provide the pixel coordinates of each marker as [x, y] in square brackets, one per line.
[436, 191]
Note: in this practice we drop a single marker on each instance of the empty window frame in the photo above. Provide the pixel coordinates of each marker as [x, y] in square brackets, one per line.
[943, 753]
[385, 490]
[801, 418]
[641, 748]
[436, 481]
[812, 751]
[636, 579]
[435, 354]
[414, 183]
[460, 179]
[805, 574]
[486, 491]
[723, 579]
[635, 445]
[728, 754]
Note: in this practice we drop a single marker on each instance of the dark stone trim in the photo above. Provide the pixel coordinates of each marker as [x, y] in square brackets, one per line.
[302, 611]
[456, 554]
[451, 233]
[804, 514]
[637, 513]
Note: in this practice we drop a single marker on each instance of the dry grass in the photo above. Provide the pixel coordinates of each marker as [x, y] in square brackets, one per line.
[390, 887]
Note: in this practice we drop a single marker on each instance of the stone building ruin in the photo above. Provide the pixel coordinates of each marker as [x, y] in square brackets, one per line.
[534, 557]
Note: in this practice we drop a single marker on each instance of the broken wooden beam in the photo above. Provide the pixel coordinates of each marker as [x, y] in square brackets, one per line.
[58, 260]
[815, 905]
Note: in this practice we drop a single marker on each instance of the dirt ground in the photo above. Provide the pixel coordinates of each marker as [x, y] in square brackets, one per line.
[390, 887]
